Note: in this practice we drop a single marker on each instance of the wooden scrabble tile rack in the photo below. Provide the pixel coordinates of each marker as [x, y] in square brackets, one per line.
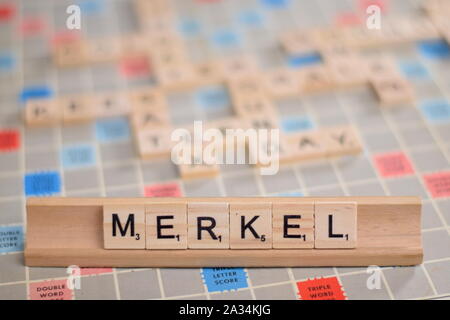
[70, 231]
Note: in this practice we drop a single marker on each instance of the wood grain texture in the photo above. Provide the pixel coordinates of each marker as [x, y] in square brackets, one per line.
[66, 231]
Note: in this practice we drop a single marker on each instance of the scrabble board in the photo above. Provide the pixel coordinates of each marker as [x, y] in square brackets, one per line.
[406, 148]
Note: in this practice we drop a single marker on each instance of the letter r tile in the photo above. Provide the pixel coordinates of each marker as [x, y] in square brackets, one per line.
[251, 225]
[124, 226]
[166, 226]
[208, 225]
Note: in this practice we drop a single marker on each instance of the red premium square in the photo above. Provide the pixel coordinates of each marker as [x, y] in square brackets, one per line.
[382, 4]
[6, 11]
[321, 289]
[135, 67]
[63, 37]
[94, 271]
[438, 184]
[163, 190]
[50, 290]
[9, 140]
[348, 19]
[32, 26]
[393, 164]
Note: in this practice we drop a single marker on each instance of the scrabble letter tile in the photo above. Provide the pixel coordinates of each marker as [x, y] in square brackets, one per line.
[147, 98]
[335, 225]
[196, 171]
[207, 73]
[247, 107]
[110, 105]
[238, 66]
[297, 42]
[41, 112]
[393, 91]
[340, 141]
[166, 226]
[251, 226]
[177, 76]
[248, 86]
[148, 119]
[124, 226]
[305, 146]
[282, 83]
[76, 109]
[70, 54]
[154, 143]
[103, 50]
[380, 68]
[347, 72]
[208, 225]
[315, 79]
[293, 225]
